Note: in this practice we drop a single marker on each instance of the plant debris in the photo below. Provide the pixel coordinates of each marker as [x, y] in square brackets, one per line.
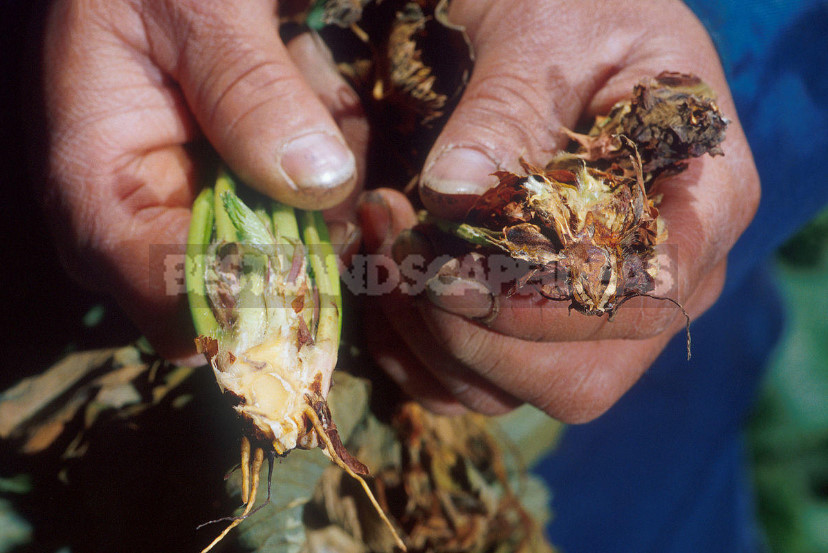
[408, 63]
[265, 299]
[469, 471]
[588, 223]
[669, 119]
[457, 489]
[450, 483]
[57, 409]
[596, 227]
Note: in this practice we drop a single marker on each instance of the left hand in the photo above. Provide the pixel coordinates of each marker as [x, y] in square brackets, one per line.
[541, 66]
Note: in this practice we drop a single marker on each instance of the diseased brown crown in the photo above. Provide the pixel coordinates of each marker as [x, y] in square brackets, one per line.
[591, 214]
[574, 218]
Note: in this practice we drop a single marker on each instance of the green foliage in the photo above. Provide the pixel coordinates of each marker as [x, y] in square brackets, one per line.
[789, 430]
[809, 245]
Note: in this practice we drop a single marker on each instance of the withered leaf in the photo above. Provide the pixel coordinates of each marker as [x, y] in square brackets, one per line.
[409, 83]
[409, 64]
[460, 487]
[668, 119]
[588, 221]
[58, 407]
[450, 484]
[577, 220]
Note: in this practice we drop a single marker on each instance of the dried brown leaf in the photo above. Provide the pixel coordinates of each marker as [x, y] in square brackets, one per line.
[22, 403]
[668, 119]
[60, 405]
[588, 222]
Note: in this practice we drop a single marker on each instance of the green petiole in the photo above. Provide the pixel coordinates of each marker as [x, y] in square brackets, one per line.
[220, 216]
[286, 229]
[225, 231]
[324, 267]
[469, 233]
[198, 240]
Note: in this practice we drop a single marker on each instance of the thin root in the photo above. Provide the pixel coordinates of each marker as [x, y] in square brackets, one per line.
[317, 424]
[674, 302]
[245, 467]
[249, 471]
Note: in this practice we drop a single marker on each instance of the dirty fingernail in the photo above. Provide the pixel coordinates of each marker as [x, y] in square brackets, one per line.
[465, 297]
[345, 237]
[460, 171]
[411, 242]
[317, 160]
[375, 220]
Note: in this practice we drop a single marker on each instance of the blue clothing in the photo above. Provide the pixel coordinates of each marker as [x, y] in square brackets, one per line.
[665, 470]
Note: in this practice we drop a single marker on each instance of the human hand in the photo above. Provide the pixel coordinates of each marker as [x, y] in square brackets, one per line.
[130, 85]
[542, 66]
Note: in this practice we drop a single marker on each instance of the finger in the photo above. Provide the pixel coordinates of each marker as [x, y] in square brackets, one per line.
[489, 370]
[458, 378]
[492, 372]
[519, 96]
[572, 381]
[468, 291]
[315, 62]
[394, 357]
[119, 183]
[252, 102]
[401, 312]
[534, 318]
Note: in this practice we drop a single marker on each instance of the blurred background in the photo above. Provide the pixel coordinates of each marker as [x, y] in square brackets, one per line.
[789, 427]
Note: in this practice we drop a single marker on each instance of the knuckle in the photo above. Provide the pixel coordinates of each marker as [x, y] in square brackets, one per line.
[470, 346]
[235, 61]
[504, 106]
[254, 86]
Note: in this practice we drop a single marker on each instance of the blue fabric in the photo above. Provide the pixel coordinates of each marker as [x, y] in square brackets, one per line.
[665, 470]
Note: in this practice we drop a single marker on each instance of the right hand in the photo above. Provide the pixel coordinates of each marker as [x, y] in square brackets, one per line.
[128, 85]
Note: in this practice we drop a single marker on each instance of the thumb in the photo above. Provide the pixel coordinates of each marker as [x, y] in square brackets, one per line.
[515, 104]
[252, 103]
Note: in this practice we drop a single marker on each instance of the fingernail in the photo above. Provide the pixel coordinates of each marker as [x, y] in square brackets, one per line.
[465, 297]
[375, 219]
[411, 242]
[343, 233]
[317, 160]
[345, 237]
[460, 171]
